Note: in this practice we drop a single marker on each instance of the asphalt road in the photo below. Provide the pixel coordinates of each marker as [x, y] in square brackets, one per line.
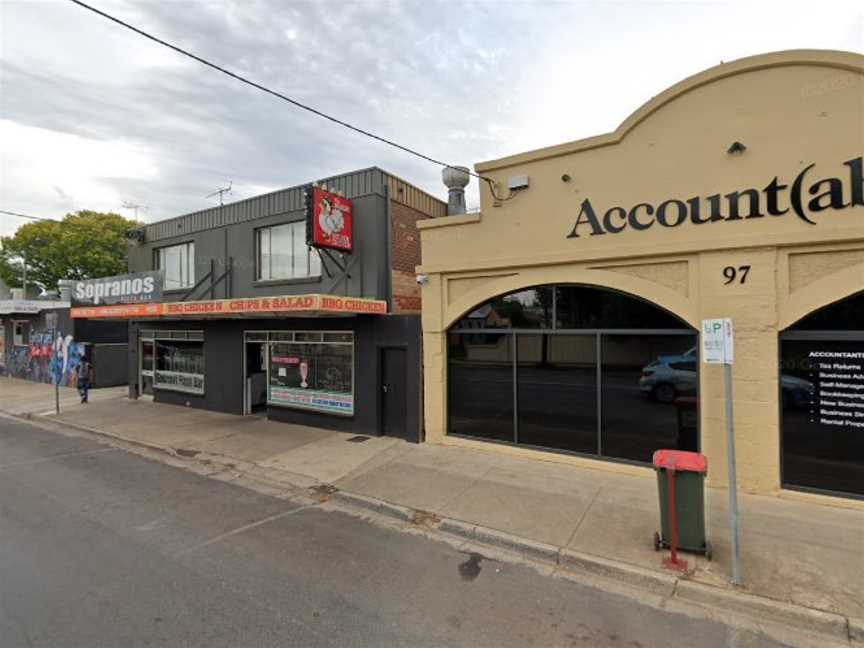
[99, 547]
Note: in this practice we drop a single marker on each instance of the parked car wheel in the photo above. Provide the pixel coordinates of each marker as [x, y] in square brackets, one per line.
[665, 393]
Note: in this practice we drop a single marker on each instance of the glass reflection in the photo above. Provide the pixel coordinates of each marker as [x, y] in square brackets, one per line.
[844, 315]
[480, 385]
[580, 307]
[649, 390]
[530, 309]
[557, 391]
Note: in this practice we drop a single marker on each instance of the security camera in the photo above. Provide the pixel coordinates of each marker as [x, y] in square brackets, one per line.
[422, 279]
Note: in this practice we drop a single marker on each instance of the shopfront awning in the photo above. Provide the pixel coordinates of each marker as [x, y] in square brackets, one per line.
[313, 305]
[28, 306]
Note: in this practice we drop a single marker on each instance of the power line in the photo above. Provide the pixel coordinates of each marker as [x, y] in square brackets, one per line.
[275, 93]
[19, 215]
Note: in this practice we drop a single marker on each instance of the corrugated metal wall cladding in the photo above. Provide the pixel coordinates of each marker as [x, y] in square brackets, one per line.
[352, 185]
[410, 196]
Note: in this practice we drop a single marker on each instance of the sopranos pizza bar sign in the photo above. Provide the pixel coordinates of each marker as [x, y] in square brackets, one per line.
[803, 200]
[136, 288]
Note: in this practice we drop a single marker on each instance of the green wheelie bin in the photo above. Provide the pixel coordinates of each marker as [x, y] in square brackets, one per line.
[689, 470]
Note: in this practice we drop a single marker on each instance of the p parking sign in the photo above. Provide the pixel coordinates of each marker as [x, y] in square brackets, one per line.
[717, 341]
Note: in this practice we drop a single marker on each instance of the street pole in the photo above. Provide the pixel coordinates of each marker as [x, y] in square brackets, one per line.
[730, 461]
[56, 378]
[24, 269]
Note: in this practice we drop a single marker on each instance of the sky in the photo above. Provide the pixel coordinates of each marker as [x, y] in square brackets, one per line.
[93, 116]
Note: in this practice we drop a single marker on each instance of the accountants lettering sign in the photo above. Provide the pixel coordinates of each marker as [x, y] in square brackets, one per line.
[805, 200]
[137, 288]
[310, 304]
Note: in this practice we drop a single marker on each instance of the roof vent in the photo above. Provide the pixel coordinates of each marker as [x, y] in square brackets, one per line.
[455, 178]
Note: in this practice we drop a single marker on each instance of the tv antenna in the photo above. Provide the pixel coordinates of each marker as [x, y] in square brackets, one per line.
[134, 207]
[221, 192]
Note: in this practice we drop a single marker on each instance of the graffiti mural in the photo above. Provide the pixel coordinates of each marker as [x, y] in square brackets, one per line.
[49, 358]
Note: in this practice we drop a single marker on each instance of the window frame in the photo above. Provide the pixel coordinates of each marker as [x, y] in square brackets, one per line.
[296, 228]
[159, 264]
[159, 339]
[600, 334]
[315, 338]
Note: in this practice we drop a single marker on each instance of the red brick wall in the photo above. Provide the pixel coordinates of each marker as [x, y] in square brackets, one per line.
[405, 257]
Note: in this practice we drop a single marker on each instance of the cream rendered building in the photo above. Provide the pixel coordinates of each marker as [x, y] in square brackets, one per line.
[736, 193]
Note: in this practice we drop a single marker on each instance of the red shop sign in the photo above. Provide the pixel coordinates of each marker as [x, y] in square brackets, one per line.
[330, 223]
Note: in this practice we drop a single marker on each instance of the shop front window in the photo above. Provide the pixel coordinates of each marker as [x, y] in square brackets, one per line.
[312, 371]
[574, 369]
[179, 362]
[821, 386]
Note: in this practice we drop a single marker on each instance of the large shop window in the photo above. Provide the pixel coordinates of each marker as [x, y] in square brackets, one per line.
[822, 400]
[311, 370]
[179, 360]
[574, 369]
[282, 253]
[178, 263]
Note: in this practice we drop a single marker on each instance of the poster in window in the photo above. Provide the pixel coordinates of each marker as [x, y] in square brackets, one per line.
[312, 376]
[329, 220]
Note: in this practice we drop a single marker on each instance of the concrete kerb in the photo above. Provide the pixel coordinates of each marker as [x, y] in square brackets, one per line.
[856, 630]
[760, 607]
[657, 582]
[374, 505]
[105, 435]
[665, 585]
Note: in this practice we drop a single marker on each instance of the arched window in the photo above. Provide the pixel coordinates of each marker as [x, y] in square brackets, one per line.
[575, 369]
[822, 398]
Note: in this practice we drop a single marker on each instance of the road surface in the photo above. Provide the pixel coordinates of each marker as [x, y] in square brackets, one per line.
[100, 547]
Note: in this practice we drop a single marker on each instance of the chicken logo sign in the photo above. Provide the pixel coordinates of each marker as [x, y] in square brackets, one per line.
[329, 224]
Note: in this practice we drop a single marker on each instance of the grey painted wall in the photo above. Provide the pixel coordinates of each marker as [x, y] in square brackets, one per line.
[368, 264]
[224, 359]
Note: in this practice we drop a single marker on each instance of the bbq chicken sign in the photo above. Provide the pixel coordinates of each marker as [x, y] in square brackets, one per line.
[329, 222]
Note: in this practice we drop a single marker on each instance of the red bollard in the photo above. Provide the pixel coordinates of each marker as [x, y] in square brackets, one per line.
[672, 562]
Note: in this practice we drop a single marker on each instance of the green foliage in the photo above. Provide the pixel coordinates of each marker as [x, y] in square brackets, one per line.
[83, 245]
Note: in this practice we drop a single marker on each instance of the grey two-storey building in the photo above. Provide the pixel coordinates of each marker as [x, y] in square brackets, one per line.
[253, 320]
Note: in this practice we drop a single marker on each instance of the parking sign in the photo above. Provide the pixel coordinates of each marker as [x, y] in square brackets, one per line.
[717, 347]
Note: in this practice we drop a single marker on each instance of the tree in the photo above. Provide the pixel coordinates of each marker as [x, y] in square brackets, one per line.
[83, 245]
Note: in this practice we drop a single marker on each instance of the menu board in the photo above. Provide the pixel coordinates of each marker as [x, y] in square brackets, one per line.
[822, 397]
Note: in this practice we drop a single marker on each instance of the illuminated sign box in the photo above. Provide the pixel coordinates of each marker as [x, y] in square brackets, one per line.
[329, 220]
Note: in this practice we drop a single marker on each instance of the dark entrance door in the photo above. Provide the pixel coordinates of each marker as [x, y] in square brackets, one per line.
[256, 378]
[394, 406]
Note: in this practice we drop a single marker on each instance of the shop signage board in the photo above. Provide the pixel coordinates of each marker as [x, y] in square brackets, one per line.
[136, 288]
[320, 401]
[329, 220]
[803, 197]
[312, 304]
[717, 341]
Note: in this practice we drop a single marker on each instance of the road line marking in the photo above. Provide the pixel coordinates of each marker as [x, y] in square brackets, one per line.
[242, 529]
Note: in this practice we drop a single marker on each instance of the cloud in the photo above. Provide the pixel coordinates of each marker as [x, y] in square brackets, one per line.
[107, 116]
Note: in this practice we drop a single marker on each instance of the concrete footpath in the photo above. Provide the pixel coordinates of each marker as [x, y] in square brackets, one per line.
[803, 563]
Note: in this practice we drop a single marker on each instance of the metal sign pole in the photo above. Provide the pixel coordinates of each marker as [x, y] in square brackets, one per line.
[733, 487]
[718, 348]
[56, 377]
